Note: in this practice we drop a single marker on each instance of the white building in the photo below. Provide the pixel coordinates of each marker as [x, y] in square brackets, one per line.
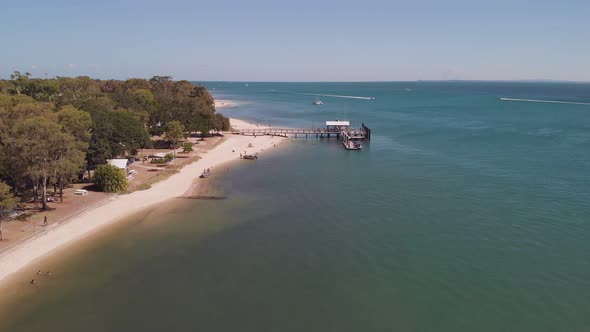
[120, 164]
[337, 125]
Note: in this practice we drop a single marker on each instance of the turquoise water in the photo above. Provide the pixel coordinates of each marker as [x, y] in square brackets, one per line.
[463, 213]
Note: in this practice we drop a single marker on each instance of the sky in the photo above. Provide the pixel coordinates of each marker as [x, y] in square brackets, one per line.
[303, 40]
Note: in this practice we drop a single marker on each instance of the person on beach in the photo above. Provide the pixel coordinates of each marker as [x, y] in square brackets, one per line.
[33, 281]
[45, 221]
[48, 274]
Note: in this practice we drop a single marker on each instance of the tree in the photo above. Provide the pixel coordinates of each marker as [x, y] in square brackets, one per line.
[128, 133]
[110, 179]
[174, 133]
[78, 124]
[76, 91]
[113, 134]
[68, 166]
[19, 82]
[220, 123]
[7, 201]
[12, 139]
[44, 146]
[75, 122]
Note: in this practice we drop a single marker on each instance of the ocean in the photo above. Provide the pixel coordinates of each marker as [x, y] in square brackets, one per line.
[464, 212]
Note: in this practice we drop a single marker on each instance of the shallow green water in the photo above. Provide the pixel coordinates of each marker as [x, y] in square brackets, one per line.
[463, 213]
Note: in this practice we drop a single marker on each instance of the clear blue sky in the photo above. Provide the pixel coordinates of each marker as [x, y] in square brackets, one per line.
[301, 40]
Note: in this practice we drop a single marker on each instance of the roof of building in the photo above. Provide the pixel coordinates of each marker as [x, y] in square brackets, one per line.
[119, 163]
[337, 123]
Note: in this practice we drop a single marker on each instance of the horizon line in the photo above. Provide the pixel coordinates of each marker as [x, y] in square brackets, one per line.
[400, 81]
[330, 81]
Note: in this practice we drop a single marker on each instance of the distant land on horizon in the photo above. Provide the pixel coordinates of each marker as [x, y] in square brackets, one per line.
[538, 80]
[401, 81]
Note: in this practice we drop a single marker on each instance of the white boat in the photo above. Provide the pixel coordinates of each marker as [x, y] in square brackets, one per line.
[317, 101]
[351, 145]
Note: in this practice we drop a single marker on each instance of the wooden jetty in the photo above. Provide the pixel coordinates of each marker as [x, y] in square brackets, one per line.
[337, 129]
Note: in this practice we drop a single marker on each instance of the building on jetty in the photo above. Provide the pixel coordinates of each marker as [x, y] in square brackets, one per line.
[339, 129]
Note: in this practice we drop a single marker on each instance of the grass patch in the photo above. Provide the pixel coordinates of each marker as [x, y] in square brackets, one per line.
[143, 186]
[147, 184]
[172, 169]
[221, 140]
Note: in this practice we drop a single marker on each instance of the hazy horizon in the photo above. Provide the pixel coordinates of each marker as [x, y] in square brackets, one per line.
[305, 41]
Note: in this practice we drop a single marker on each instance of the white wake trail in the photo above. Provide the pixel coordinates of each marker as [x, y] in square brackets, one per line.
[544, 101]
[336, 96]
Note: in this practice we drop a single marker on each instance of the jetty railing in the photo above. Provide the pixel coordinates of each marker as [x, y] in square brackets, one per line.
[270, 131]
[346, 133]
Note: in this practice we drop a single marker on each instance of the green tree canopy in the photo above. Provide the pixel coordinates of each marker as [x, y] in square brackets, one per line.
[7, 201]
[75, 122]
[95, 119]
[109, 178]
[43, 147]
[174, 133]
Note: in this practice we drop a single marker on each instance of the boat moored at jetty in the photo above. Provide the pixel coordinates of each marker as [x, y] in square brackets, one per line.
[352, 145]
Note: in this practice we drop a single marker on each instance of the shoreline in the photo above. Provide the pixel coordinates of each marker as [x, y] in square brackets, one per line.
[122, 206]
[225, 103]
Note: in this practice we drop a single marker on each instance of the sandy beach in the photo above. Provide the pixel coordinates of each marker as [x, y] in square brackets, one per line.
[122, 206]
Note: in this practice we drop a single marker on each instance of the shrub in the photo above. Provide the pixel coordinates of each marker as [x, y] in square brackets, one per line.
[169, 157]
[109, 178]
[158, 161]
[187, 147]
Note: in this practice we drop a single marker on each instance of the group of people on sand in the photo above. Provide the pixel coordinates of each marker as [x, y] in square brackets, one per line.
[48, 273]
[34, 281]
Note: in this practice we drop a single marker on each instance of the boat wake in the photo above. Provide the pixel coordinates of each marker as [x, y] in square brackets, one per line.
[544, 101]
[336, 96]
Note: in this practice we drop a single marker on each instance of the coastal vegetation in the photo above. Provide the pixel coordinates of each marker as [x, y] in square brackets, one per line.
[54, 130]
[7, 201]
[174, 133]
[110, 179]
[187, 147]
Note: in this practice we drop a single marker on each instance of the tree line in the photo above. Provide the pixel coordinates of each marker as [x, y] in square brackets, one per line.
[52, 130]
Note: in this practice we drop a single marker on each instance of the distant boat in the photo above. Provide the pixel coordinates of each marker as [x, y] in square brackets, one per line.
[317, 101]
